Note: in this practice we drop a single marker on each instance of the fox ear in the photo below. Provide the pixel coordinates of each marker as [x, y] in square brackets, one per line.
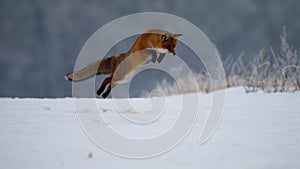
[165, 37]
[177, 36]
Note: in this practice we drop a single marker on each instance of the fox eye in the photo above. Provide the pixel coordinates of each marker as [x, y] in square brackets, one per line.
[165, 37]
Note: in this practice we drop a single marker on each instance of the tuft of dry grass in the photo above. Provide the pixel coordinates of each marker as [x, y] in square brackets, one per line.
[268, 71]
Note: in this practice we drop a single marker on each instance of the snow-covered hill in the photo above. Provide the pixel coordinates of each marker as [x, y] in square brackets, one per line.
[257, 131]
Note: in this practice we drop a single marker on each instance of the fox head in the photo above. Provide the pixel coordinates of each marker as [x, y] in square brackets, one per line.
[157, 39]
[169, 42]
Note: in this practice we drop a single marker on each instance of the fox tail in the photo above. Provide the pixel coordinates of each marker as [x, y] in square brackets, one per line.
[85, 73]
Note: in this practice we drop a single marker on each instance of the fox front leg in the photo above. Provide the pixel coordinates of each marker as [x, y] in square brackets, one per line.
[152, 53]
[161, 57]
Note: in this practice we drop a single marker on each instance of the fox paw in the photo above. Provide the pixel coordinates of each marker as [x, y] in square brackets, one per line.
[104, 95]
[98, 92]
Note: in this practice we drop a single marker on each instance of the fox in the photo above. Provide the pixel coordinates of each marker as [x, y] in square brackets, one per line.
[151, 46]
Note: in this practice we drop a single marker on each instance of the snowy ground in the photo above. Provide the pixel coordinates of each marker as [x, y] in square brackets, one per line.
[257, 131]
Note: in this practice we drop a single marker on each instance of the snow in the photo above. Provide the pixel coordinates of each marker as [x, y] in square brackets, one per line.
[257, 130]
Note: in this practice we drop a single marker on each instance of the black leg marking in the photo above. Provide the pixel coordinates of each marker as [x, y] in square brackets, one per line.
[103, 85]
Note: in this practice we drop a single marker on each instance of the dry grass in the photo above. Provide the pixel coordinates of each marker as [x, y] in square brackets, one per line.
[269, 72]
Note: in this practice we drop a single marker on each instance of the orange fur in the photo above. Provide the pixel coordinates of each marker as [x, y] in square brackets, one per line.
[121, 67]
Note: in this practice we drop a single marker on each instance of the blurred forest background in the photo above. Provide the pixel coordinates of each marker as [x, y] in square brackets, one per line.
[40, 39]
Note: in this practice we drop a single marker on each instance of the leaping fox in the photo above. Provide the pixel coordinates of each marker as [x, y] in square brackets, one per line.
[147, 47]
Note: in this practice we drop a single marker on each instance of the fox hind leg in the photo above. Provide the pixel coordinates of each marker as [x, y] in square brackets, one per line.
[104, 84]
[106, 93]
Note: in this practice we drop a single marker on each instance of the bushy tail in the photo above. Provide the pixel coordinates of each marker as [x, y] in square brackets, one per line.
[88, 71]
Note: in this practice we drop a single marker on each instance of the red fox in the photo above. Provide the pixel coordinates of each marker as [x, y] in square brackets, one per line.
[147, 47]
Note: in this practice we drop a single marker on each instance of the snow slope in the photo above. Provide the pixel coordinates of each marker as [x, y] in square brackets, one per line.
[257, 131]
